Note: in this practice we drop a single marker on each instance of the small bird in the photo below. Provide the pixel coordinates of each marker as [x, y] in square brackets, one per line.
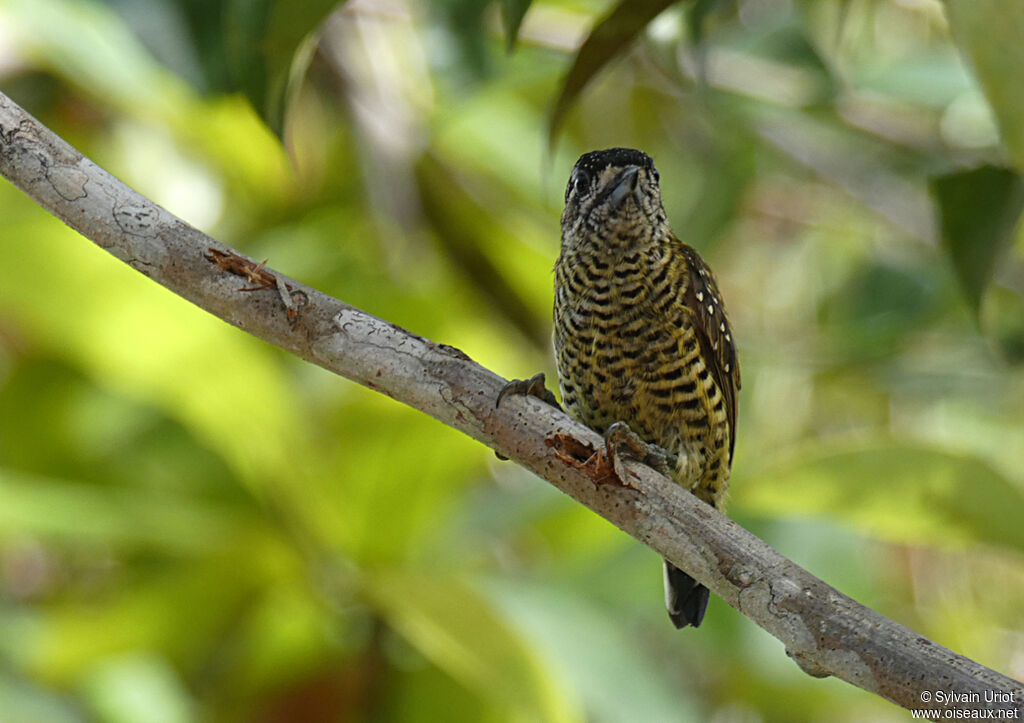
[644, 350]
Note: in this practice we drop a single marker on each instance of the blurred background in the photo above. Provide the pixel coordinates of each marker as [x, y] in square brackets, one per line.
[195, 526]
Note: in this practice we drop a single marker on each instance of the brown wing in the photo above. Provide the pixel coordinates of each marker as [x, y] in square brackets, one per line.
[714, 334]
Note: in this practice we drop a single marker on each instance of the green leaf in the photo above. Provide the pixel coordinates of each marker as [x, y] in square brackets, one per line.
[989, 33]
[459, 630]
[610, 36]
[904, 492]
[259, 47]
[978, 212]
[513, 12]
[269, 45]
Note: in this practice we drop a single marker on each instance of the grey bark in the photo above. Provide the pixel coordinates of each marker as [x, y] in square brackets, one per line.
[824, 631]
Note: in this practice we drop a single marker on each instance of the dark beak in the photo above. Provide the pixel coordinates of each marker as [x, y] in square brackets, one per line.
[625, 184]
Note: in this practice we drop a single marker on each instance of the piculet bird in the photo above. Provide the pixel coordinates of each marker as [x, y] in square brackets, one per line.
[644, 350]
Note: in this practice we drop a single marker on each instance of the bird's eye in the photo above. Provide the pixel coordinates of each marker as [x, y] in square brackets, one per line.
[581, 182]
[657, 176]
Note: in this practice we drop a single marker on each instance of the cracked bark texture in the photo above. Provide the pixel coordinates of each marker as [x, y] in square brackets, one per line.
[824, 631]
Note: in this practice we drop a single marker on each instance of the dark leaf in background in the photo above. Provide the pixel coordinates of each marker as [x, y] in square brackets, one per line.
[698, 14]
[989, 33]
[608, 38]
[978, 211]
[513, 12]
[268, 49]
[463, 23]
[258, 47]
[184, 35]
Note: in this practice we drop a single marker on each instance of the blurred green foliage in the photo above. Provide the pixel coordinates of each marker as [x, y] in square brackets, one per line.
[195, 526]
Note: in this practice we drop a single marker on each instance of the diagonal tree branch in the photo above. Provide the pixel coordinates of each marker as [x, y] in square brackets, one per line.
[824, 631]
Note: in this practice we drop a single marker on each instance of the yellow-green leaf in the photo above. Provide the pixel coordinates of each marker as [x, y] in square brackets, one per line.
[904, 492]
[461, 632]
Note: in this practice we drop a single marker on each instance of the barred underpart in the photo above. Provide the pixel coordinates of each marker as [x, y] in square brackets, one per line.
[641, 333]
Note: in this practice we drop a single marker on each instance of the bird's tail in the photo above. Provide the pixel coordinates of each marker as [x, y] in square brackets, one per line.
[685, 598]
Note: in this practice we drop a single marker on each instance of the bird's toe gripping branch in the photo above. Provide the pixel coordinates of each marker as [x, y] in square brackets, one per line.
[535, 386]
[620, 440]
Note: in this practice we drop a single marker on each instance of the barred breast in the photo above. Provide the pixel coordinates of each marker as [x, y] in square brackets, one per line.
[641, 337]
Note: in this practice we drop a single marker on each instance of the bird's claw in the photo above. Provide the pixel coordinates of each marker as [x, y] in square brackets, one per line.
[620, 440]
[535, 386]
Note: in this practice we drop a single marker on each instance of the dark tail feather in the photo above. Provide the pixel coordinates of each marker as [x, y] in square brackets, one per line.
[685, 598]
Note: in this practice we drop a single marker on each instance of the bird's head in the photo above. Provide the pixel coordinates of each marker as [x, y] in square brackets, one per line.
[612, 193]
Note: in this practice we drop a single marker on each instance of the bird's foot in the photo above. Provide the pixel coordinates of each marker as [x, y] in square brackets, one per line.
[620, 440]
[535, 386]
